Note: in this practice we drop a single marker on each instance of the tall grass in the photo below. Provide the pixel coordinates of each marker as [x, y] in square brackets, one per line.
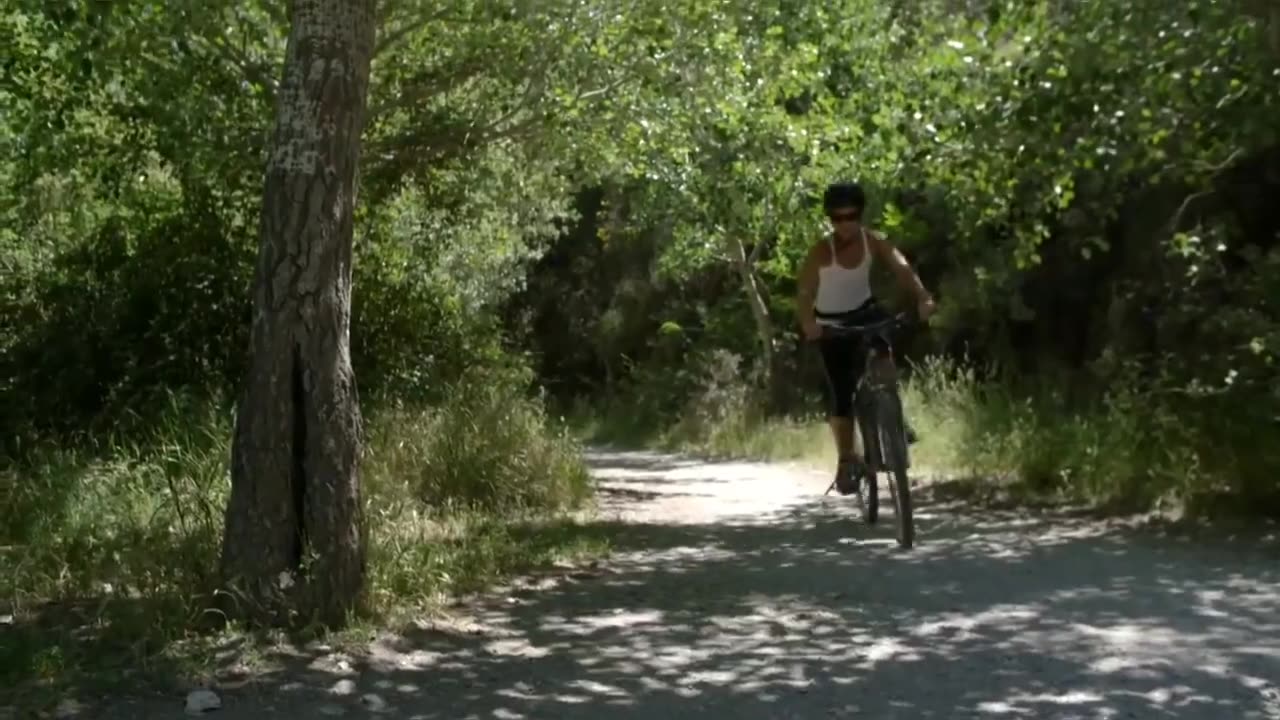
[708, 408]
[1125, 449]
[109, 550]
[1128, 449]
[109, 547]
[469, 492]
[1120, 450]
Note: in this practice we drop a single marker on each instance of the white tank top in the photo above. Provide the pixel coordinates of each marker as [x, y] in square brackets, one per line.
[841, 289]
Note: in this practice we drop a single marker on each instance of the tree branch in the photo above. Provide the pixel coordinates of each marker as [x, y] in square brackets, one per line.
[531, 96]
[427, 85]
[589, 94]
[394, 37]
[396, 154]
[261, 74]
[1214, 171]
[280, 12]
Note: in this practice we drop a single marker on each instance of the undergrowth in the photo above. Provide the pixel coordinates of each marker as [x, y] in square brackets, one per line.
[706, 408]
[109, 550]
[1128, 449]
[1123, 450]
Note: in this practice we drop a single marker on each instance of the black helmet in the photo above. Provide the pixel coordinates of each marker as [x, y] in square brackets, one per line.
[844, 195]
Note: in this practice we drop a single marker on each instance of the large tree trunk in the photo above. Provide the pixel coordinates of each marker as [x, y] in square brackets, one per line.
[294, 549]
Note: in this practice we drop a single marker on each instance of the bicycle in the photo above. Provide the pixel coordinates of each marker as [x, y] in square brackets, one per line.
[878, 410]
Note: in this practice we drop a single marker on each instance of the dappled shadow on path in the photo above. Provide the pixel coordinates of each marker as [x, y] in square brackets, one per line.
[803, 612]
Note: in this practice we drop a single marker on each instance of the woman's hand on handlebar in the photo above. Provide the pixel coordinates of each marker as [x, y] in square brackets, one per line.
[811, 329]
[926, 307]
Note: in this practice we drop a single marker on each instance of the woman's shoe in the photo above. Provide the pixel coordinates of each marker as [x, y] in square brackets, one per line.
[849, 474]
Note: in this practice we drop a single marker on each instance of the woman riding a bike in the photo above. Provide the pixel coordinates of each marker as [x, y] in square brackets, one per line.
[835, 289]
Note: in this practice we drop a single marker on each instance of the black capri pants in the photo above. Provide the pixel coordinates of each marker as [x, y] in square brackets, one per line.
[844, 358]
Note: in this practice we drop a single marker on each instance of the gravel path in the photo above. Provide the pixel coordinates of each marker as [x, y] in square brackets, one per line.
[738, 591]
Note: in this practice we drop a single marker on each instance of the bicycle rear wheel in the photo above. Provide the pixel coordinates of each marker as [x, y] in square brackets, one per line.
[893, 446]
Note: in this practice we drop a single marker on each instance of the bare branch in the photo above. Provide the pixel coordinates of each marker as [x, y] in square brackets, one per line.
[626, 74]
[532, 95]
[1214, 171]
[428, 84]
[259, 73]
[589, 94]
[280, 12]
[433, 144]
[1176, 221]
[390, 39]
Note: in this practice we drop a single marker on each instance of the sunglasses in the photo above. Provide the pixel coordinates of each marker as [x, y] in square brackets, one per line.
[843, 217]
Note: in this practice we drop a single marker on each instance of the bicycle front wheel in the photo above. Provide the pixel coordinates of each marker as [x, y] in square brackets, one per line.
[893, 447]
[868, 426]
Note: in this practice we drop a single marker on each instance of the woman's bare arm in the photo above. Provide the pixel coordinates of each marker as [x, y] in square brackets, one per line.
[807, 282]
[901, 268]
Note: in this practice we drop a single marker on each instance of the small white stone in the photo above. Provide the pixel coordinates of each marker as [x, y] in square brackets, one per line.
[202, 701]
[345, 686]
[68, 708]
[374, 703]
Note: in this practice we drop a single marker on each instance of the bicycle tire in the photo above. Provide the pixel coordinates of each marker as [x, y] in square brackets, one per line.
[893, 443]
[867, 427]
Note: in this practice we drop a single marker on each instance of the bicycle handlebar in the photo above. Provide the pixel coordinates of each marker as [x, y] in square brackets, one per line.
[898, 320]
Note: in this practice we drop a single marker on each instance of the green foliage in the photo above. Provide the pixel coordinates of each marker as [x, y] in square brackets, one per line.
[110, 550]
[1128, 450]
[131, 187]
[145, 305]
[131, 149]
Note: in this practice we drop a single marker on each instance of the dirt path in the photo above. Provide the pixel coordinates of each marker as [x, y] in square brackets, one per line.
[737, 591]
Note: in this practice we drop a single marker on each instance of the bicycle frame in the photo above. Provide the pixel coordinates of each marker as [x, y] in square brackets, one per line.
[879, 371]
[877, 400]
[879, 328]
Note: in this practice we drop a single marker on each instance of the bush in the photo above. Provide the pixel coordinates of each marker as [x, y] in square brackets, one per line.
[411, 340]
[1131, 449]
[726, 416]
[159, 302]
[1135, 446]
[488, 447]
[709, 406]
[123, 319]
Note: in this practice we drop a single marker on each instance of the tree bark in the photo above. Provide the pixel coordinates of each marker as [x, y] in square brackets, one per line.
[293, 549]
